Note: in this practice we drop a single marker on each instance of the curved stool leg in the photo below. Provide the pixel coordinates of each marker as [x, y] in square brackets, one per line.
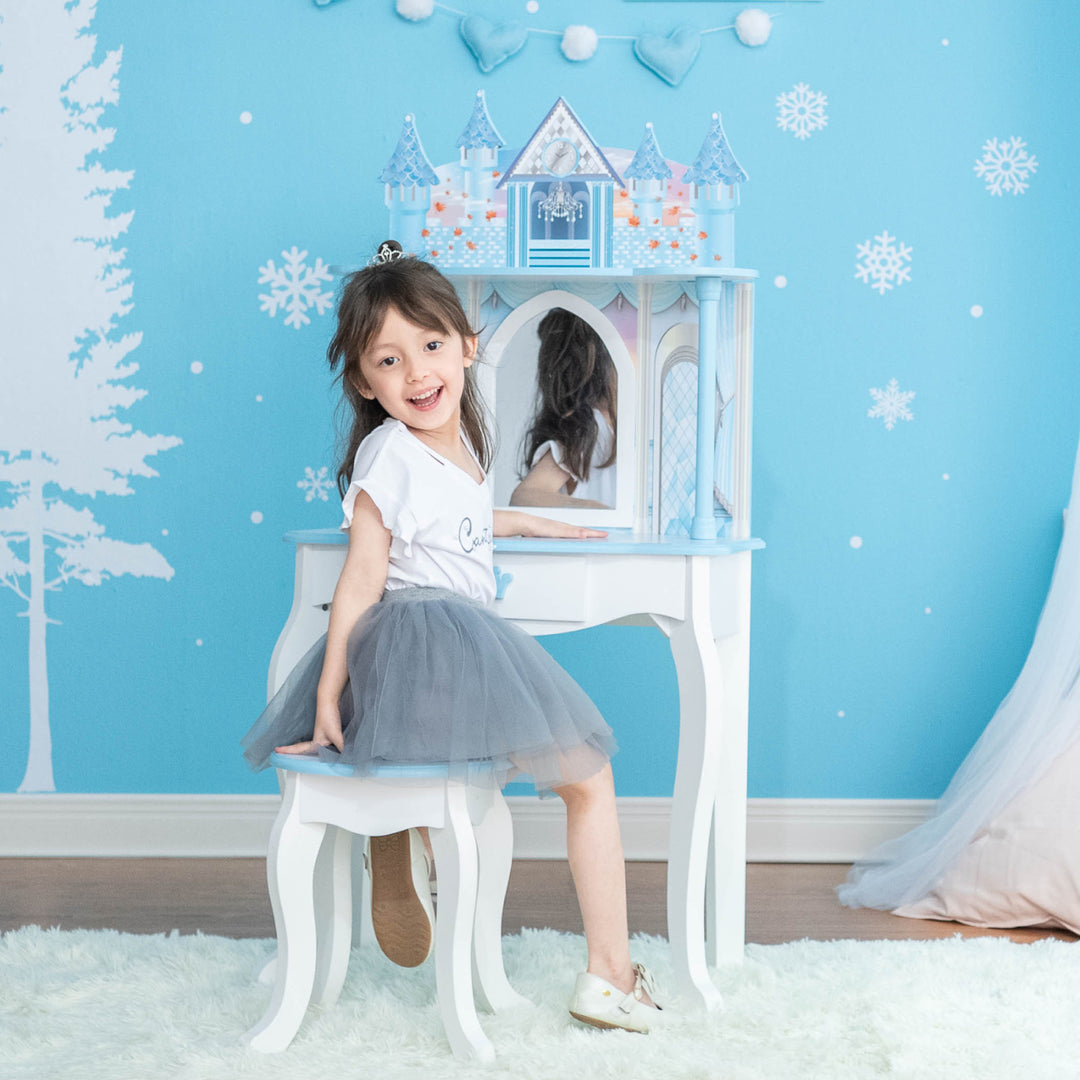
[268, 972]
[329, 899]
[495, 849]
[362, 928]
[333, 917]
[294, 846]
[455, 855]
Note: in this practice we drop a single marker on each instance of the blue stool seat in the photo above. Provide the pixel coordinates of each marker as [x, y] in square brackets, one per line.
[437, 770]
[472, 836]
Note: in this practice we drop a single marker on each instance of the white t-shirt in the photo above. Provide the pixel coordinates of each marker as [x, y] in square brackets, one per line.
[440, 519]
[600, 487]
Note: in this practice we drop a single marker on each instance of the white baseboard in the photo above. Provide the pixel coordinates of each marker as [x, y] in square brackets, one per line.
[827, 830]
[210, 826]
[172, 826]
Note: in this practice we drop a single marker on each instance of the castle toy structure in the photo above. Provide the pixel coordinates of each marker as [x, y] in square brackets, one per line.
[561, 202]
[639, 246]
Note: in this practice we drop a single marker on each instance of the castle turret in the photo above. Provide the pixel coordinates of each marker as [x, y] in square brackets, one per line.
[479, 144]
[713, 181]
[409, 178]
[648, 173]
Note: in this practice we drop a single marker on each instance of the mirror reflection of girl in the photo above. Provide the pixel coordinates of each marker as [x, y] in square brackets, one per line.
[569, 457]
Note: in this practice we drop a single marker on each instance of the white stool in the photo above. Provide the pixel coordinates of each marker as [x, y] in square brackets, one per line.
[472, 837]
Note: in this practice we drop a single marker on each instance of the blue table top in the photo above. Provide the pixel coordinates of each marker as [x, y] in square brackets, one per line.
[617, 542]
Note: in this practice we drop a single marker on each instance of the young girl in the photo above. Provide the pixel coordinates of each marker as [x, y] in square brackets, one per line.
[414, 667]
[569, 455]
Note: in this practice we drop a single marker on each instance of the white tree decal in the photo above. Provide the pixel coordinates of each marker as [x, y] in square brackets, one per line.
[62, 291]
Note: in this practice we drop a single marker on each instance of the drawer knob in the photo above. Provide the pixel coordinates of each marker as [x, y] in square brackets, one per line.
[502, 582]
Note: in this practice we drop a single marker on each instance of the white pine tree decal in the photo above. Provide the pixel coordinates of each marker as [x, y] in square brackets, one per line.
[62, 291]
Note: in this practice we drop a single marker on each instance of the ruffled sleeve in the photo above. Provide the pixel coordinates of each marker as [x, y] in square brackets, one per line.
[557, 455]
[381, 471]
[600, 452]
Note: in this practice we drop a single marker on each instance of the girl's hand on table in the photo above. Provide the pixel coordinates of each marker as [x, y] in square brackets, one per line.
[516, 523]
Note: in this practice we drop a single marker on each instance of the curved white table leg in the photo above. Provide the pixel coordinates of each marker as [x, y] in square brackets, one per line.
[294, 846]
[696, 777]
[455, 855]
[712, 904]
[725, 927]
[495, 851]
[333, 916]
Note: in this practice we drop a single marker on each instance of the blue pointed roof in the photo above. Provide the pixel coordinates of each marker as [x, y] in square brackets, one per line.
[715, 163]
[648, 163]
[560, 122]
[480, 131]
[409, 164]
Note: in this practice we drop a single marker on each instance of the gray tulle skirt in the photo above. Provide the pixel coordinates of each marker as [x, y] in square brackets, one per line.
[434, 677]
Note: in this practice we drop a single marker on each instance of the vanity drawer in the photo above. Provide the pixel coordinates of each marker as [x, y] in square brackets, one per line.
[541, 587]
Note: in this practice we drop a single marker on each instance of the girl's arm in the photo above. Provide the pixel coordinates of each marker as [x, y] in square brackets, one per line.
[361, 584]
[515, 523]
[543, 486]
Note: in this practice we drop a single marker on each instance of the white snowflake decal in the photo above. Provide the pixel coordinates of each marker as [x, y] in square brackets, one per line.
[882, 264]
[294, 286]
[1005, 166]
[892, 404]
[316, 485]
[802, 111]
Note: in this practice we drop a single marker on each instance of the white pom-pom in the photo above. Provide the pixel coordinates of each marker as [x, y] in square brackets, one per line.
[578, 42]
[753, 26]
[415, 9]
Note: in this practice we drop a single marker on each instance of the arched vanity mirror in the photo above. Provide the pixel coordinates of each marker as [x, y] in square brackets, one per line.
[554, 344]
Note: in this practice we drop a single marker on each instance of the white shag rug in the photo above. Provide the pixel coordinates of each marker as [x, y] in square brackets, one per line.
[100, 1005]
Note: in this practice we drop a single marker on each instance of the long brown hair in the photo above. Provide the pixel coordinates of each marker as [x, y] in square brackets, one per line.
[420, 294]
[574, 374]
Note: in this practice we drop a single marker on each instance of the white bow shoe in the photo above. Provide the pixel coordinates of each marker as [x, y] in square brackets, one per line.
[602, 1005]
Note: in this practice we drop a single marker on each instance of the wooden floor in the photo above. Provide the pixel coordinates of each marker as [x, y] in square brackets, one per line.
[785, 902]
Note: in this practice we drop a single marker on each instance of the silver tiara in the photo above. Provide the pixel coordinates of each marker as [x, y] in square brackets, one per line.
[385, 254]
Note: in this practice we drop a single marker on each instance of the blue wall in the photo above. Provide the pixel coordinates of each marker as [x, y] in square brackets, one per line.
[856, 690]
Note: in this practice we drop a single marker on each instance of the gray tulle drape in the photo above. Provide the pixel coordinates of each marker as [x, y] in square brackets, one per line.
[1038, 720]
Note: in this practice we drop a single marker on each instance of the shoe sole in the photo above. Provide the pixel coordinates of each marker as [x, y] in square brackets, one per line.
[592, 1021]
[401, 922]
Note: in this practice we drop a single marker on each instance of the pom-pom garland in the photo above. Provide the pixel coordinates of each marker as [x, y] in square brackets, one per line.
[415, 10]
[753, 26]
[579, 42]
[669, 57]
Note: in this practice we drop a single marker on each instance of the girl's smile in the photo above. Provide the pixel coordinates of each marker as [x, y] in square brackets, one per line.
[428, 399]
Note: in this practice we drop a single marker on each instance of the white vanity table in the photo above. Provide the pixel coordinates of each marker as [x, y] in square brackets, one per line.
[698, 594]
[695, 588]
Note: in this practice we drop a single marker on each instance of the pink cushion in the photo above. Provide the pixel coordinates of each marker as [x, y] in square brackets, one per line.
[1024, 869]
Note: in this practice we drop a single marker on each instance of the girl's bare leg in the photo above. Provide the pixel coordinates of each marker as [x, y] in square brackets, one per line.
[594, 848]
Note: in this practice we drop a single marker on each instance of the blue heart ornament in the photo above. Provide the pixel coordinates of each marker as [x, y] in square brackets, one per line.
[669, 57]
[492, 44]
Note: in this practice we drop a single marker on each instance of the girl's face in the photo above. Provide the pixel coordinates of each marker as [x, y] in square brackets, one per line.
[417, 375]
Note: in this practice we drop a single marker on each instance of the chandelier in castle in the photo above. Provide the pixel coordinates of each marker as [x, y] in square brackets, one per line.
[560, 204]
